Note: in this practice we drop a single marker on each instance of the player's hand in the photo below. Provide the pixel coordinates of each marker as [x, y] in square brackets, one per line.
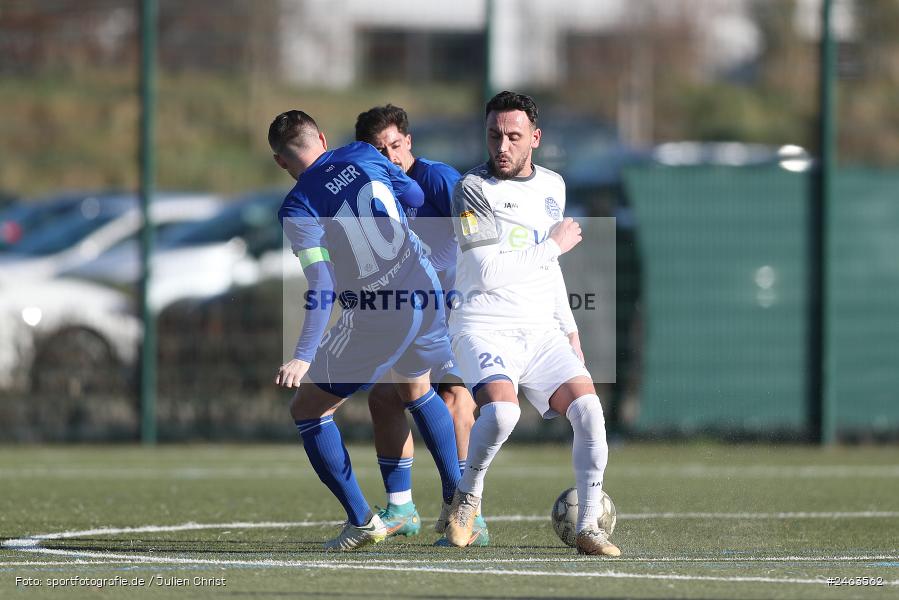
[575, 340]
[567, 234]
[290, 373]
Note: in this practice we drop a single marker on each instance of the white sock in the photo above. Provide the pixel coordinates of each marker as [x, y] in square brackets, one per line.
[590, 453]
[399, 497]
[490, 431]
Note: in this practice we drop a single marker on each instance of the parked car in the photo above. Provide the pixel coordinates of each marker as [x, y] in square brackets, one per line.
[21, 219]
[238, 246]
[456, 141]
[735, 154]
[65, 336]
[80, 236]
[7, 233]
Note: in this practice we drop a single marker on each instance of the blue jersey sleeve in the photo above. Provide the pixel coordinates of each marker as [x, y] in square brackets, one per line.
[309, 243]
[319, 303]
[302, 228]
[407, 190]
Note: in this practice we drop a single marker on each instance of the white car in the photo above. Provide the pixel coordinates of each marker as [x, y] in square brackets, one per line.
[735, 154]
[78, 238]
[66, 330]
[238, 247]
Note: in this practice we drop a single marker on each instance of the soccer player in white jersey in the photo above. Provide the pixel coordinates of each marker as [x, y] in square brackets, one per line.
[514, 329]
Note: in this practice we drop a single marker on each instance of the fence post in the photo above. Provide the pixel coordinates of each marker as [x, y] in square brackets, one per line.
[148, 21]
[489, 85]
[820, 401]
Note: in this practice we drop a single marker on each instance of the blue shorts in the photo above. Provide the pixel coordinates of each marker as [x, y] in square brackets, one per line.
[360, 348]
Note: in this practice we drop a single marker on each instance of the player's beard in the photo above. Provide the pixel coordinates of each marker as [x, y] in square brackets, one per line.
[512, 170]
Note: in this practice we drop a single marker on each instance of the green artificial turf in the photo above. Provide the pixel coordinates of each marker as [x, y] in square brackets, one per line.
[695, 521]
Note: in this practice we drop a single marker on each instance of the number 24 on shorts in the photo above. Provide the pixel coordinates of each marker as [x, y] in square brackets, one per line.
[488, 360]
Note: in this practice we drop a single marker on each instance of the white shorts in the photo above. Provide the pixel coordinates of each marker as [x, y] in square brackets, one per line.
[537, 362]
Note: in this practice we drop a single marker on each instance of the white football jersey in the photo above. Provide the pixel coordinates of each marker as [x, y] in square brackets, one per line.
[515, 215]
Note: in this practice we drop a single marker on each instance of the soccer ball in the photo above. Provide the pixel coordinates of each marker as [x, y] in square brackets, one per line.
[564, 515]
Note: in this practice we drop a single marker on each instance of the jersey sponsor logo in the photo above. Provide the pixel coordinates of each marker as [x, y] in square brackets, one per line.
[510, 205]
[469, 222]
[552, 209]
[343, 179]
[520, 237]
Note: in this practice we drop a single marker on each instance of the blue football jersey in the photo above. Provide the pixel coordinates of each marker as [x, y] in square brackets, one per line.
[432, 222]
[345, 208]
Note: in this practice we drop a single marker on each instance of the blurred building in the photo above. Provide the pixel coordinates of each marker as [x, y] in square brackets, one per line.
[340, 43]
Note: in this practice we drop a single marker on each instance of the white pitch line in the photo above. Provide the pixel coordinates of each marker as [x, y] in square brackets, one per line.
[868, 514]
[34, 540]
[32, 545]
[59, 563]
[523, 560]
[406, 568]
[701, 471]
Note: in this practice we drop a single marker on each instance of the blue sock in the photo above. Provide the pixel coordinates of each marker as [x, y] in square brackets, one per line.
[462, 462]
[436, 427]
[331, 461]
[397, 473]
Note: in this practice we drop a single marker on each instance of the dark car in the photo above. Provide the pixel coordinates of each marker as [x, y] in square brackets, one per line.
[20, 220]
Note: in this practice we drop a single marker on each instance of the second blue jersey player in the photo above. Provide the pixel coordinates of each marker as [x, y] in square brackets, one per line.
[345, 222]
[387, 129]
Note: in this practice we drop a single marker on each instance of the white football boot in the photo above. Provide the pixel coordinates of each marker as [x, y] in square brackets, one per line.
[460, 523]
[352, 537]
[595, 542]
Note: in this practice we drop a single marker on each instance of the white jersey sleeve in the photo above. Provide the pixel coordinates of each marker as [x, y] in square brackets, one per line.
[563, 312]
[472, 214]
[476, 229]
[508, 269]
[497, 269]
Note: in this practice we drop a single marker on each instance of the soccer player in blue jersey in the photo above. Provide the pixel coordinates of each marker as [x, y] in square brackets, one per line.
[344, 222]
[387, 129]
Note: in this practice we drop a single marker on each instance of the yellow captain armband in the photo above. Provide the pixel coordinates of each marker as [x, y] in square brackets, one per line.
[311, 256]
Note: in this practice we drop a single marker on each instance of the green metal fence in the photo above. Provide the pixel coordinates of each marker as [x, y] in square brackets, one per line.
[725, 278]
[863, 341]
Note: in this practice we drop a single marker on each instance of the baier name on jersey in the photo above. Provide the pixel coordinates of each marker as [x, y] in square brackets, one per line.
[343, 179]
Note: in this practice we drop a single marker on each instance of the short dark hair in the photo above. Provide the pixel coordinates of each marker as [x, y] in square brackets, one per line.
[504, 101]
[375, 120]
[288, 126]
